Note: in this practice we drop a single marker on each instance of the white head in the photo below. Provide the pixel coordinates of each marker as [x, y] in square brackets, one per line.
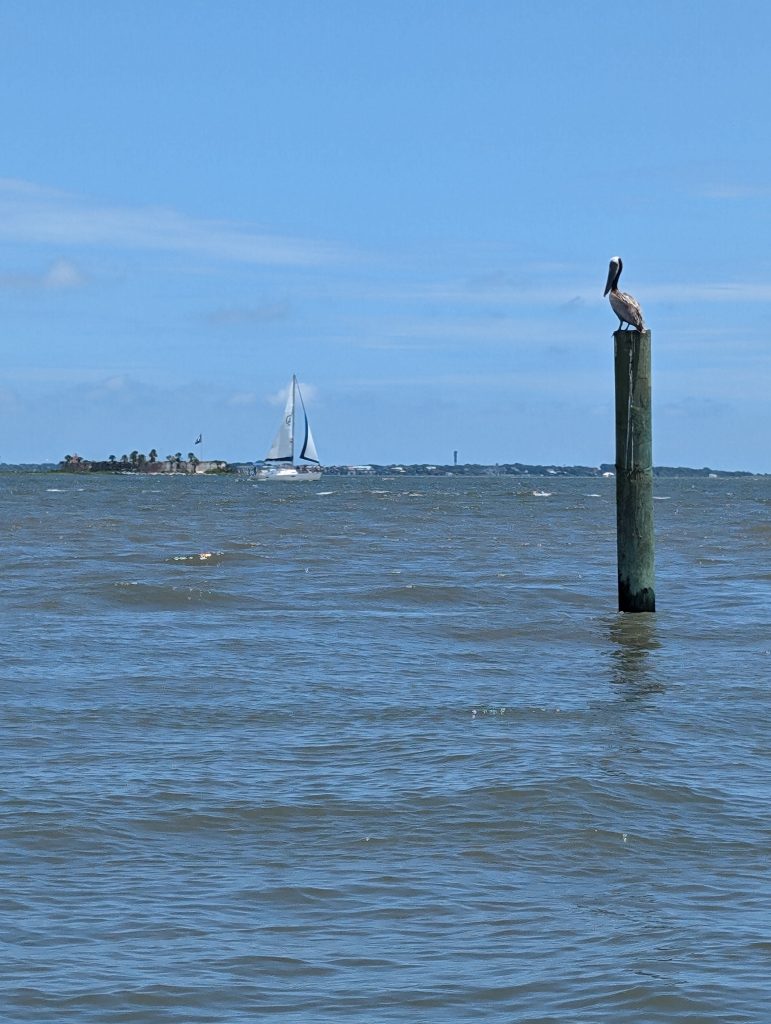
[614, 273]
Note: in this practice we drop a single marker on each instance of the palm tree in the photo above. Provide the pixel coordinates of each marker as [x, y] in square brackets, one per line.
[133, 457]
[112, 458]
[153, 456]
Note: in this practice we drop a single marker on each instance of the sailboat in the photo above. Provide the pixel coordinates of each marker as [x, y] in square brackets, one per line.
[281, 457]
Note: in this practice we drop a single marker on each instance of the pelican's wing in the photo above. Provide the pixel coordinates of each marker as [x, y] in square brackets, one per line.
[627, 309]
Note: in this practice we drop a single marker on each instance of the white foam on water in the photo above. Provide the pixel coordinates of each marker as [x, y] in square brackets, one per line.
[202, 556]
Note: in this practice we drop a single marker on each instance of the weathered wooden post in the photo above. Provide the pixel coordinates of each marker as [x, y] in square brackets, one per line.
[634, 472]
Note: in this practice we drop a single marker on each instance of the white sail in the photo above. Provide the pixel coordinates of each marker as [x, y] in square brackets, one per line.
[308, 450]
[282, 449]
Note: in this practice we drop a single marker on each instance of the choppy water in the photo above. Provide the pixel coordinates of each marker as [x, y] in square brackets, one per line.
[381, 751]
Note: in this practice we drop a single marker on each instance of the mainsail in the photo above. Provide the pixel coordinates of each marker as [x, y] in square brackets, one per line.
[282, 449]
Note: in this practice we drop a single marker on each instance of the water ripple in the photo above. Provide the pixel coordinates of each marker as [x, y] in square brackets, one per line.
[385, 752]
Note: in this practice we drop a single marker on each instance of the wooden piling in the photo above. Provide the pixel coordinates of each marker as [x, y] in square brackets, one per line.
[634, 472]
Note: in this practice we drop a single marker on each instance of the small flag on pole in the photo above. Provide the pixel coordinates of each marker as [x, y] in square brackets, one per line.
[199, 439]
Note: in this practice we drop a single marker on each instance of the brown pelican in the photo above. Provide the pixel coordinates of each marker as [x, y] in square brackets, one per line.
[626, 308]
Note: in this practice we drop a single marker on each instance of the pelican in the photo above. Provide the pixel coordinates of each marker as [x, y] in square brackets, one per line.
[626, 308]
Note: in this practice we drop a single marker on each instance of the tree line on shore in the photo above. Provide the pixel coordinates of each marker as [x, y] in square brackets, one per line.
[138, 462]
[133, 462]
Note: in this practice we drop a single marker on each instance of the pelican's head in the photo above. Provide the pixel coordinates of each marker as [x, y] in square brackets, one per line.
[614, 273]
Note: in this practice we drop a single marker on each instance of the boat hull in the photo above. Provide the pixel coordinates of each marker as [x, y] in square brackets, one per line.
[290, 474]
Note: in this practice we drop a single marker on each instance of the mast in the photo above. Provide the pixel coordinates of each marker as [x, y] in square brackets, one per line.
[291, 439]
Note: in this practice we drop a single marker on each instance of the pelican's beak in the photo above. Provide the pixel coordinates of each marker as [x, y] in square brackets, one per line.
[612, 271]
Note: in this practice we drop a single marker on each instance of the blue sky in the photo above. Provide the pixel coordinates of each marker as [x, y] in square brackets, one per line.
[411, 205]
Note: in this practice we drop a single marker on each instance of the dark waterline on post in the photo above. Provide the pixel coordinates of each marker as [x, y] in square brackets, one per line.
[634, 472]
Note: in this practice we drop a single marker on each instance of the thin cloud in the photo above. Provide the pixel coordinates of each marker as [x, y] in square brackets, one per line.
[469, 333]
[732, 191]
[715, 291]
[529, 383]
[309, 392]
[564, 295]
[242, 398]
[569, 291]
[29, 214]
[61, 275]
[9, 399]
[249, 316]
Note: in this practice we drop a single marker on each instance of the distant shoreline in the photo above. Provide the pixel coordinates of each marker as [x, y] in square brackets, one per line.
[515, 469]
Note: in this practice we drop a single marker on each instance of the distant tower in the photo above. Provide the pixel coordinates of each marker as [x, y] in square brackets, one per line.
[455, 458]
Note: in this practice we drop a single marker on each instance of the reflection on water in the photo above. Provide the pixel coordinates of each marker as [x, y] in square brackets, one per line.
[634, 639]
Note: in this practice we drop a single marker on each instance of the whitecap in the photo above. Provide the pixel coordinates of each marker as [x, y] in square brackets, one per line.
[201, 556]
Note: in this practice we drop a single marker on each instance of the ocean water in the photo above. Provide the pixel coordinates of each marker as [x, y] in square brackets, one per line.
[381, 750]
